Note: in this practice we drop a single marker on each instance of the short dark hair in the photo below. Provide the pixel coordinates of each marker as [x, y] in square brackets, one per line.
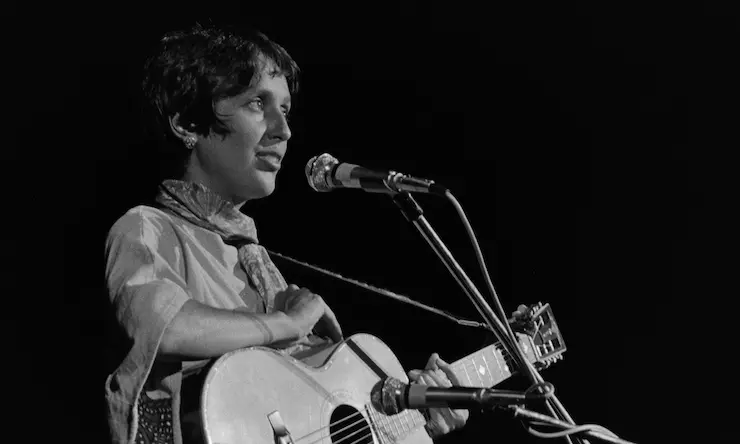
[190, 70]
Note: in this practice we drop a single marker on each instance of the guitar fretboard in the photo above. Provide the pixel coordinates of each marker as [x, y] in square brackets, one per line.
[484, 368]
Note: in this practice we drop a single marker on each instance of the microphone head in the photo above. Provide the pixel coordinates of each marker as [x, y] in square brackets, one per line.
[387, 396]
[318, 172]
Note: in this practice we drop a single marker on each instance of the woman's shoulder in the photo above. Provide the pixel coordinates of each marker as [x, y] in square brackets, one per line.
[142, 220]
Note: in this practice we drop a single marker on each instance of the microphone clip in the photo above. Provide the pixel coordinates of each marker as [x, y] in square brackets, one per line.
[402, 183]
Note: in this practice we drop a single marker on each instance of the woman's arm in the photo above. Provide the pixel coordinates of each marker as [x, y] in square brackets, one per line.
[199, 331]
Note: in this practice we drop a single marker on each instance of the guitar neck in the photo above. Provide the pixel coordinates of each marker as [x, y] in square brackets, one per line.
[484, 368]
[488, 366]
[493, 364]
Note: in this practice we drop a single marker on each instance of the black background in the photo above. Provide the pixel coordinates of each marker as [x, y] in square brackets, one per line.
[575, 137]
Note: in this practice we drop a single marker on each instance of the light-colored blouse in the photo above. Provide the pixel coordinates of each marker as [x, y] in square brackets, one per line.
[155, 263]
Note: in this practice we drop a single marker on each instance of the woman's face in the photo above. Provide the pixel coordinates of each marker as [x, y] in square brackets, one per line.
[244, 164]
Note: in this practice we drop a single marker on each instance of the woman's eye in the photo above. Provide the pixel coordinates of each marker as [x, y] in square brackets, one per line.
[256, 104]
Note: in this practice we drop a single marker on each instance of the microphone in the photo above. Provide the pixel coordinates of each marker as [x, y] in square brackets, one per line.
[325, 173]
[391, 396]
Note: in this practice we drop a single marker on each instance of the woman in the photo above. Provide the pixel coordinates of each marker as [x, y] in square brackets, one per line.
[187, 277]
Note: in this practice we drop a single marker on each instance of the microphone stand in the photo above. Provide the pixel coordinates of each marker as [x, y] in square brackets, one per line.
[414, 214]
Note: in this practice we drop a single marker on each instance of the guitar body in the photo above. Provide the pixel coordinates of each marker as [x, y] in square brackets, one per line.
[258, 395]
[331, 386]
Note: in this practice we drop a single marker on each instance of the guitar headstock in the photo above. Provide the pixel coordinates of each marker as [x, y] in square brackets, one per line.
[539, 324]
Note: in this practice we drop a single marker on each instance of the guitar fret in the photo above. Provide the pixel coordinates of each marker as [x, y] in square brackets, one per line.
[459, 371]
[411, 419]
[489, 374]
[394, 428]
[498, 361]
[406, 424]
[389, 423]
[508, 359]
[504, 355]
[485, 361]
[475, 366]
[470, 382]
[376, 422]
[373, 421]
[394, 422]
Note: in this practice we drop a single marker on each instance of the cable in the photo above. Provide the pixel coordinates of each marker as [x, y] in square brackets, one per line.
[575, 429]
[481, 262]
[531, 418]
[553, 404]
[594, 428]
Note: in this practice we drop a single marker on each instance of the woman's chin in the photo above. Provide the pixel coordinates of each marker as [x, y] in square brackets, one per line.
[257, 189]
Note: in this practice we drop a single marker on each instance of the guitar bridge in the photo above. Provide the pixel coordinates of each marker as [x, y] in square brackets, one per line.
[282, 435]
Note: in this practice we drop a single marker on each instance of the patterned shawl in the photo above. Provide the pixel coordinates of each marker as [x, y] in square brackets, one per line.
[206, 209]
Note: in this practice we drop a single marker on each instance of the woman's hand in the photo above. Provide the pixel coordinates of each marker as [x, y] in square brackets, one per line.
[308, 310]
[438, 373]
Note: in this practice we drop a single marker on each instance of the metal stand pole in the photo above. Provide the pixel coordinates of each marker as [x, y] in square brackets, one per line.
[414, 214]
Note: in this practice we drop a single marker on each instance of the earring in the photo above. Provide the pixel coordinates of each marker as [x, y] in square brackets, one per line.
[190, 142]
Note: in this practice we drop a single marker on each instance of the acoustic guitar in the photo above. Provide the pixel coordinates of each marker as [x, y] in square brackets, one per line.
[259, 395]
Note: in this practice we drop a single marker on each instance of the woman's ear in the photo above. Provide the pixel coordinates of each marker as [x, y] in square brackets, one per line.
[178, 130]
[189, 138]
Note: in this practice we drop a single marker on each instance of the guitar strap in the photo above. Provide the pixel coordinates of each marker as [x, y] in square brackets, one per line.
[366, 359]
[381, 374]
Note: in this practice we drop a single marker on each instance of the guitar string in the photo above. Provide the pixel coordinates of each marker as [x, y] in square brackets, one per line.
[360, 420]
[369, 434]
[366, 435]
[380, 421]
[348, 436]
[354, 433]
[346, 418]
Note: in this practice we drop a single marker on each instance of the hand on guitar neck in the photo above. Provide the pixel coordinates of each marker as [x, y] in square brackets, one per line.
[438, 373]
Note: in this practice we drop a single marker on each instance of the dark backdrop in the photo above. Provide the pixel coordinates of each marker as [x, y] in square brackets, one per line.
[567, 133]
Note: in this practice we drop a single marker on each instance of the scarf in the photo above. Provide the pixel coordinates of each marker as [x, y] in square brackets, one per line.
[206, 209]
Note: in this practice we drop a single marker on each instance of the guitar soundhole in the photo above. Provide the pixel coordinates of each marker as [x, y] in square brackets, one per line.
[348, 426]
